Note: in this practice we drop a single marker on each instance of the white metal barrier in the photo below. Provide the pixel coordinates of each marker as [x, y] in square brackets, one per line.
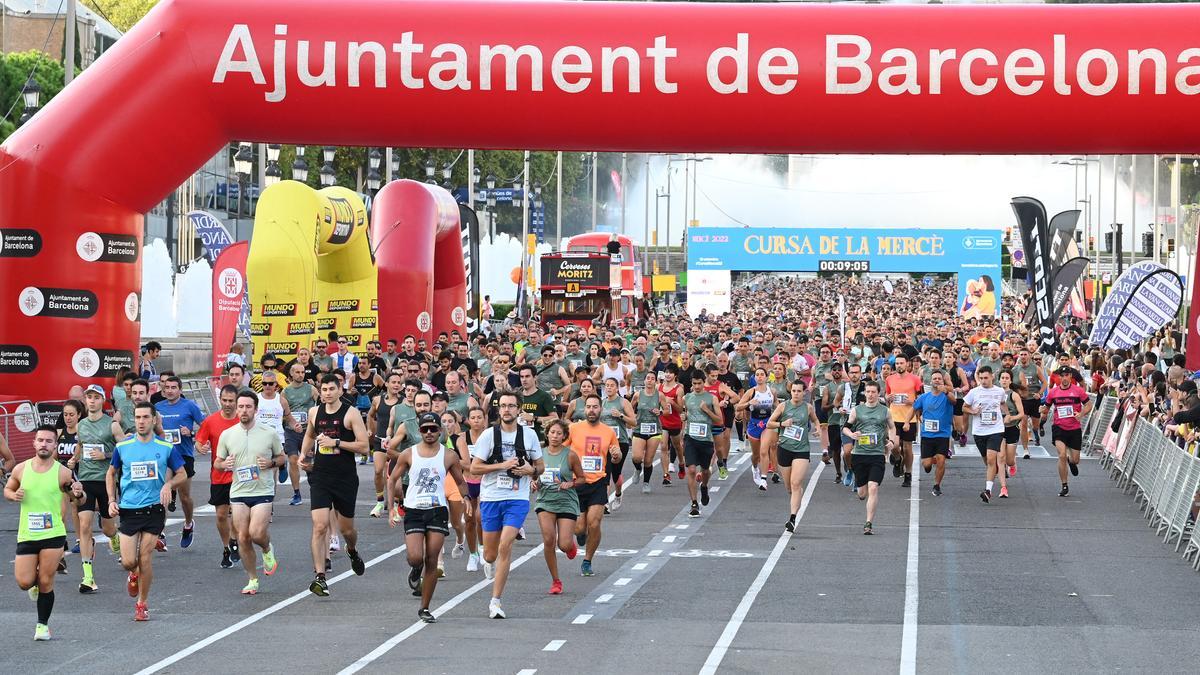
[1163, 475]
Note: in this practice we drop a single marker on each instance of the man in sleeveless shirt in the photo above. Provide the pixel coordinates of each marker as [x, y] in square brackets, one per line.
[335, 434]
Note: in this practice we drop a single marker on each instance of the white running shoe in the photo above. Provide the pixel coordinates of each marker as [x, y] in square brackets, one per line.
[335, 544]
[495, 611]
[672, 470]
[379, 509]
[755, 474]
[616, 504]
[489, 570]
[458, 550]
[473, 562]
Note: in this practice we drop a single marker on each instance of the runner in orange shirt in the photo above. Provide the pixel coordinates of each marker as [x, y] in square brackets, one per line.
[902, 389]
[595, 444]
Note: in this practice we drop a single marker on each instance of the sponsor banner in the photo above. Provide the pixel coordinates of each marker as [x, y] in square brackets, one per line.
[18, 359]
[342, 219]
[326, 323]
[68, 303]
[301, 328]
[229, 297]
[314, 307]
[105, 247]
[88, 362]
[19, 243]
[211, 232]
[973, 254]
[281, 348]
[469, 224]
[349, 305]
[577, 274]
[1066, 281]
[363, 322]
[709, 289]
[260, 330]
[1145, 298]
[279, 309]
[1032, 222]
[374, 304]
[353, 339]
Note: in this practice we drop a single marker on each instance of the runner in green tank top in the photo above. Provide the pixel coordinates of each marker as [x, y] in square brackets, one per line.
[873, 432]
[646, 428]
[617, 414]
[794, 420]
[557, 503]
[38, 485]
[575, 409]
[700, 414]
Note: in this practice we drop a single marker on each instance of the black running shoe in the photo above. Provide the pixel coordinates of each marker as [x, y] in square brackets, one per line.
[427, 616]
[356, 562]
[986, 496]
[1064, 491]
[226, 563]
[907, 480]
[775, 478]
[695, 512]
[790, 525]
[414, 577]
[703, 494]
[328, 564]
[319, 587]
[235, 554]
[937, 490]
[171, 504]
[1074, 468]
[581, 539]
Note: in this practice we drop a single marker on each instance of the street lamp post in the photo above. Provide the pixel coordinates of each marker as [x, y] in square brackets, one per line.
[243, 162]
[374, 178]
[273, 174]
[299, 166]
[491, 207]
[328, 173]
[31, 96]
[429, 170]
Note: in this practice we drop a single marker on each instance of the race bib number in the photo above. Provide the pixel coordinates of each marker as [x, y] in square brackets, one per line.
[900, 399]
[593, 464]
[868, 439]
[327, 451]
[39, 522]
[172, 436]
[93, 451]
[648, 428]
[549, 477]
[427, 501]
[989, 417]
[505, 482]
[246, 474]
[145, 470]
[300, 417]
[1063, 412]
[697, 429]
[932, 426]
[794, 432]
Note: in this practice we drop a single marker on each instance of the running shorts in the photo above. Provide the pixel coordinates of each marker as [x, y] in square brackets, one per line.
[1012, 435]
[494, 516]
[1072, 438]
[151, 519]
[95, 497]
[907, 436]
[697, 453]
[756, 426]
[420, 521]
[253, 501]
[218, 494]
[784, 458]
[37, 546]
[988, 442]
[932, 447]
[867, 469]
[337, 493]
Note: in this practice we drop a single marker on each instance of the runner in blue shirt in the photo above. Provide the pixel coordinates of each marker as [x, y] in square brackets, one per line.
[180, 418]
[935, 409]
[147, 468]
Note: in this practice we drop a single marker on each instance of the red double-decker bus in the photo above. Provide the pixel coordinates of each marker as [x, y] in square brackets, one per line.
[627, 291]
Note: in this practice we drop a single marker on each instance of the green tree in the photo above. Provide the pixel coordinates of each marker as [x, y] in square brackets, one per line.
[14, 69]
[122, 14]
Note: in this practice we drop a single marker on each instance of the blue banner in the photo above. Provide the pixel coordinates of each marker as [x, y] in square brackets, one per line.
[972, 254]
[211, 232]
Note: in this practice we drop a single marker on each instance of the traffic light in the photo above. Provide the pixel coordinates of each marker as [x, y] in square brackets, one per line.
[1148, 244]
[1108, 241]
[1091, 243]
[1171, 246]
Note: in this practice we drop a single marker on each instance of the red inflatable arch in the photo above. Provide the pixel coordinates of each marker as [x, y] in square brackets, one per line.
[573, 75]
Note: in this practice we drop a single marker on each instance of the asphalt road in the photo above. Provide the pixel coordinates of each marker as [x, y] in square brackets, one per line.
[1033, 583]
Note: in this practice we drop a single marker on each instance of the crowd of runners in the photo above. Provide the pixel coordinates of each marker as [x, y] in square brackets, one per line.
[468, 434]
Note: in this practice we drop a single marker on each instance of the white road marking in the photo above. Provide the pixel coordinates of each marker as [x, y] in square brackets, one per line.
[682, 527]
[554, 645]
[739, 615]
[416, 627]
[604, 598]
[715, 488]
[655, 553]
[640, 566]
[669, 539]
[742, 460]
[527, 671]
[623, 581]
[908, 640]
[255, 618]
